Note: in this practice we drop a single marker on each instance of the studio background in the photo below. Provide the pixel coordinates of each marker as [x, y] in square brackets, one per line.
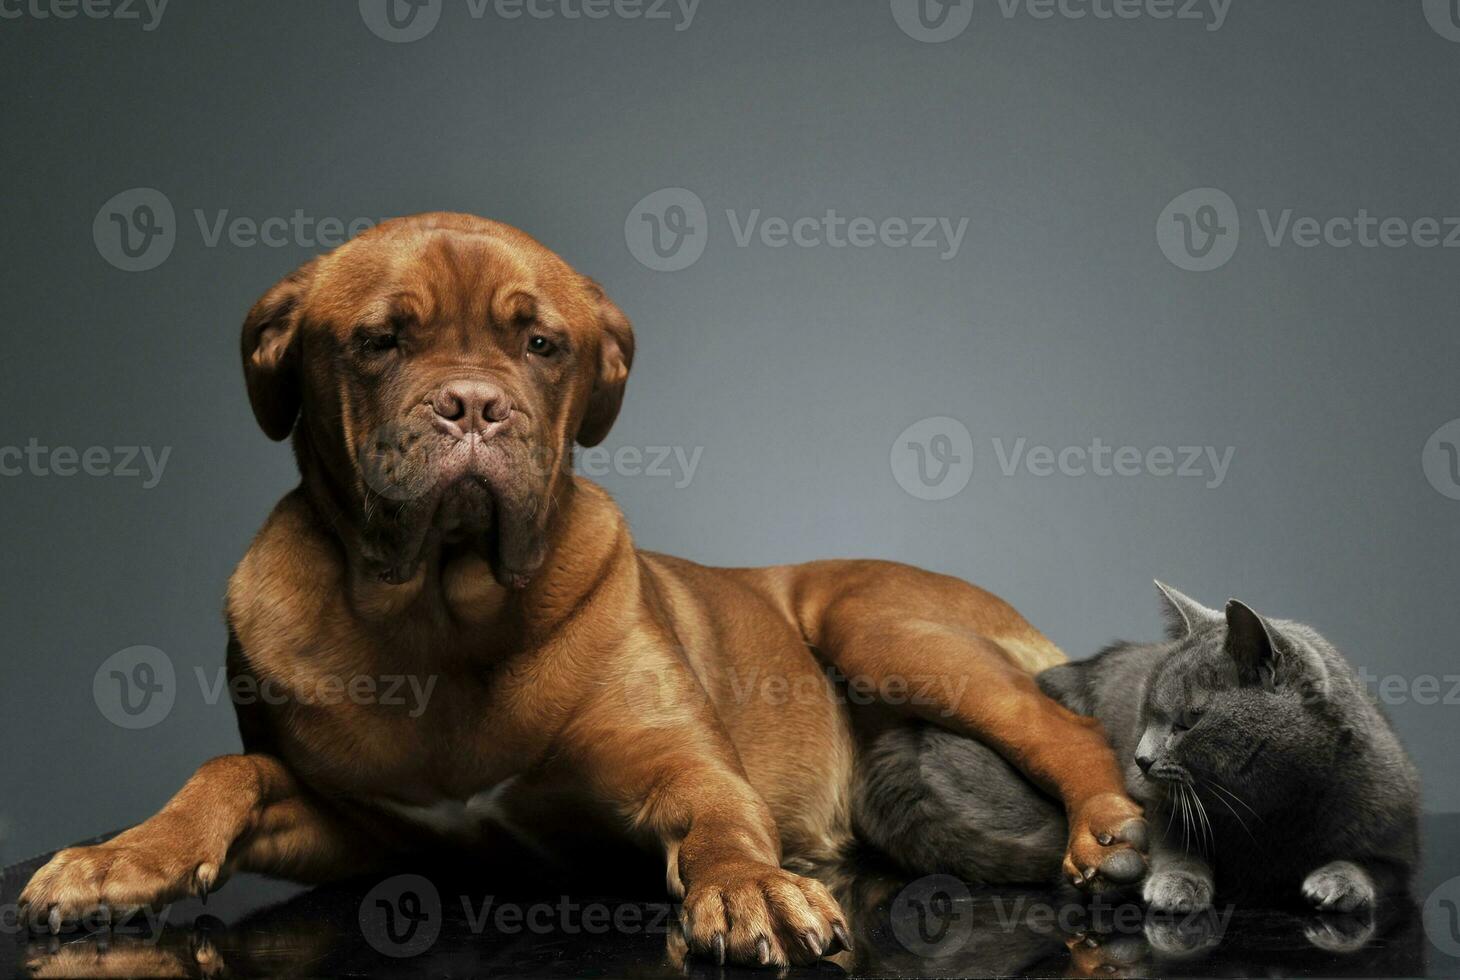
[791, 375]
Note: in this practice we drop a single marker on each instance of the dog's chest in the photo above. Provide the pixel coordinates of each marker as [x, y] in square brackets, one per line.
[452, 817]
[450, 762]
[459, 789]
[418, 730]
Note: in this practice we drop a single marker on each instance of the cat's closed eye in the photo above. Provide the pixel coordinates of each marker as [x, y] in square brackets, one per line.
[1187, 719]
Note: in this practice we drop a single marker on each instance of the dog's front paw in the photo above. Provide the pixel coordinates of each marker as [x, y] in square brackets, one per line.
[1107, 843]
[145, 867]
[1103, 955]
[1340, 886]
[1178, 889]
[123, 956]
[760, 915]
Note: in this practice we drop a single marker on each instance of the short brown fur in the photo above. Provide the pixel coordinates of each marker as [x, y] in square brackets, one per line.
[598, 688]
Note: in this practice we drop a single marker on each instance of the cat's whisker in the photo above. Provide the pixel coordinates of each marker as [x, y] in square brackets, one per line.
[1181, 798]
[1198, 839]
[1242, 823]
[1211, 848]
[1181, 803]
[1211, 835]
[1185, 819]
[1218, 786]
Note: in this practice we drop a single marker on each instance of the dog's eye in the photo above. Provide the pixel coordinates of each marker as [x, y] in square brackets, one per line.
[540, 345]
[378, 343]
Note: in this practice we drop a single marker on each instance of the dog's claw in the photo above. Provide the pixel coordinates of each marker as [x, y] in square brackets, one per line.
[54, 920]
[812, 942]
[763, 951]
[718, 946]
[839, 931]
[205, 876]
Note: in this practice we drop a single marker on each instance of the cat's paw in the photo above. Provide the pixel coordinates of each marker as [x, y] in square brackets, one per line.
[1182, 936]
[1340, 886]
[1339, 932]
[1178, 889]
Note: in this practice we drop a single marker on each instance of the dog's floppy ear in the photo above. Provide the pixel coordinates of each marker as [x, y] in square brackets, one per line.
[271, 362]
[615, 357]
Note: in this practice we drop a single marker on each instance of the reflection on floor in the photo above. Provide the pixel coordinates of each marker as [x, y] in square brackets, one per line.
[459, 925]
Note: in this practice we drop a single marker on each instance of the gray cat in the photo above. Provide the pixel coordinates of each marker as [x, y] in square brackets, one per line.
[1267, 772]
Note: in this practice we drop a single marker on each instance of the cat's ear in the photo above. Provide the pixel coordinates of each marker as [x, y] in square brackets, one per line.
[1183, 613]
[1250, 644]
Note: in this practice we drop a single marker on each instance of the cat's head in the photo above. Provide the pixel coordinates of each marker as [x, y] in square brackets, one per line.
[1240, 702]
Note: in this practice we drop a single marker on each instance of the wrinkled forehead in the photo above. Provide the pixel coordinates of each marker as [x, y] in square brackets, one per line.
[429, 275]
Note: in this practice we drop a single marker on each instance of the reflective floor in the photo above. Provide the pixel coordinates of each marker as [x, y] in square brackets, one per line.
[441, 925]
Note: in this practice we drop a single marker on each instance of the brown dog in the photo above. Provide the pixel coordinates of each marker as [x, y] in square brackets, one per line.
[435, 373]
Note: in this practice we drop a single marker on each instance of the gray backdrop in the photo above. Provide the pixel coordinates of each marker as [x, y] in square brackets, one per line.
[1076, 306]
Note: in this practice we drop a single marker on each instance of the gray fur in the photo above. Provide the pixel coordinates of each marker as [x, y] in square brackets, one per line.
[1273, 775]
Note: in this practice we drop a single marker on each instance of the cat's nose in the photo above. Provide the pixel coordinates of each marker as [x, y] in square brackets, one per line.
[1148, 748]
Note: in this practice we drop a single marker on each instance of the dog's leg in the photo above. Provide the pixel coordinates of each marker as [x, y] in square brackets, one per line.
[984, 695]
[237, 813]
[674, 774]
[900, 630]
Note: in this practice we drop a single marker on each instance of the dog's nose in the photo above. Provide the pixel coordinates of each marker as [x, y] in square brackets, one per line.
[470, 406]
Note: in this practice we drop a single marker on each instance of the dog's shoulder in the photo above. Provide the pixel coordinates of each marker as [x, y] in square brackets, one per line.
[287, 581]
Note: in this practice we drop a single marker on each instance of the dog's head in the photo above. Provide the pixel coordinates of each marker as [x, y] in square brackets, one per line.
[435, 372]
